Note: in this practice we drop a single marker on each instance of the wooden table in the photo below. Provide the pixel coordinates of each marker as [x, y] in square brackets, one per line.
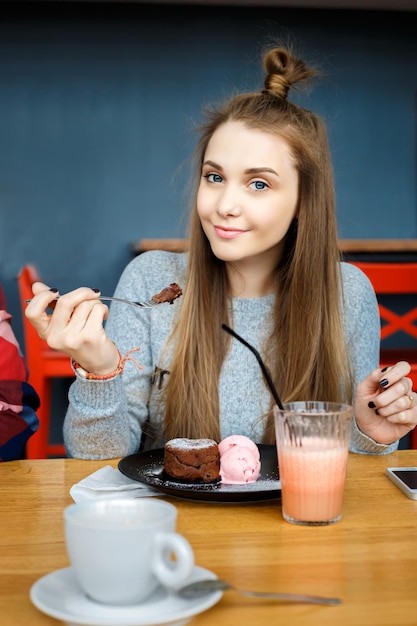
[369, 559]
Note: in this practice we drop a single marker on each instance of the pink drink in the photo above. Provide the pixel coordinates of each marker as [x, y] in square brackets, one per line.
[312, 444]
[312, 480]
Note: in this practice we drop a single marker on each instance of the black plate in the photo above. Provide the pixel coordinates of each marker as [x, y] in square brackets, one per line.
[148, 468]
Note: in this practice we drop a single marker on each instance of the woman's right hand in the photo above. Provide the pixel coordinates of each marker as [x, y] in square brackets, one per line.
[75, 326]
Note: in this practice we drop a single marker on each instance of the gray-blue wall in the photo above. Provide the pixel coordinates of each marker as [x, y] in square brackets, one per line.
[98, 102]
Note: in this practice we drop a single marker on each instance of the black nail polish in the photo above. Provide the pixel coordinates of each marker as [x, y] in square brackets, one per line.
[371, 405]
[96, 290]
[383, 383]
[54, 290]
[384, 369]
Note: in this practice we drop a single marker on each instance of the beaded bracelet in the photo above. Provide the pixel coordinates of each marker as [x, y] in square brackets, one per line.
[119, 369]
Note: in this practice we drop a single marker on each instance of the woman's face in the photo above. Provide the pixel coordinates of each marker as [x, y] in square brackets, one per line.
[248, 192]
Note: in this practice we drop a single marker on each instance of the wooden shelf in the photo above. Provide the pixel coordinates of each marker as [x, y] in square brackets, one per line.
[172, 245]
[346, 245]
[378, 245]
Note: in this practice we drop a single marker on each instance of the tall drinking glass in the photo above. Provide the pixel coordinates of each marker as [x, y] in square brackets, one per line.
[312, 445]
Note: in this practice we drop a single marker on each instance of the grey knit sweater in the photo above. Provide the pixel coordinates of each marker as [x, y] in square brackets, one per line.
[105, 418]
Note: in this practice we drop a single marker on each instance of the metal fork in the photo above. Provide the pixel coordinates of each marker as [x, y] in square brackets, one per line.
[147, 304]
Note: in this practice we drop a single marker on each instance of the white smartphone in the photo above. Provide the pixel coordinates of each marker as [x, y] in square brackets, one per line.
[405, 478]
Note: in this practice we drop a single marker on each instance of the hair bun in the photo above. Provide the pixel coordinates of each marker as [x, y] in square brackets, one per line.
[283, 70]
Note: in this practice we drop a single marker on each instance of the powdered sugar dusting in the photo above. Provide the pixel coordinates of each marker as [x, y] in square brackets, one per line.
[190, 444]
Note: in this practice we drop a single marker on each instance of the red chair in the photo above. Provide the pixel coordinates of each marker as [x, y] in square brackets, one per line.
[394, 279]
[44, 365]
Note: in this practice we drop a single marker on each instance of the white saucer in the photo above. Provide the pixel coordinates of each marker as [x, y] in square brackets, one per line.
[59, 595]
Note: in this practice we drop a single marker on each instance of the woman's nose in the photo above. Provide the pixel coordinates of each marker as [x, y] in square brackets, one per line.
[229, 203]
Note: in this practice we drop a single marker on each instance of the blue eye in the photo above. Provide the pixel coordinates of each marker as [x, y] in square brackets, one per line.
[259, 185]
[214, 178]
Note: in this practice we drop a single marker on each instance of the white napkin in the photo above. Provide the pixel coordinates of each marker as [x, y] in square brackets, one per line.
[110, 483]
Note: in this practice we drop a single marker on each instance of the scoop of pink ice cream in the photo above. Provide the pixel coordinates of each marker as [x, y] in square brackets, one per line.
[239, 460]
[238, 440]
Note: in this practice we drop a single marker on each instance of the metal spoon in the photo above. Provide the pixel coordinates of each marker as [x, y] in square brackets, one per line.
[201, 587]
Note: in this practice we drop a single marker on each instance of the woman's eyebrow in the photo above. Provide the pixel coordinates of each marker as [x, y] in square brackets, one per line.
[212, 164]
[260, 170]
[251, 170]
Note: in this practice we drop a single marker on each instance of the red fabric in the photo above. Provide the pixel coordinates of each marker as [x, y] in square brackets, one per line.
[12, 363]
[18, 400]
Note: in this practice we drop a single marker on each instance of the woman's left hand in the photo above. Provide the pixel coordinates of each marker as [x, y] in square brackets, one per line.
[385, 406]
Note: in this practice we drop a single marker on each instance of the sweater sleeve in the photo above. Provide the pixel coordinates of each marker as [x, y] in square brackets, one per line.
[363, 328]
[107, 418]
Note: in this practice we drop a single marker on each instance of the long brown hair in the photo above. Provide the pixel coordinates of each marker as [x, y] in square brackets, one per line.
[307, 352]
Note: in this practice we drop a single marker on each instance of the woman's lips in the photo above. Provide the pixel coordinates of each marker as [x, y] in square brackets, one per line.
[228, 233]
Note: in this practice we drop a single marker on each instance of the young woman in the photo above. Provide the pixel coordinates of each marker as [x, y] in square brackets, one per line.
[264, 260]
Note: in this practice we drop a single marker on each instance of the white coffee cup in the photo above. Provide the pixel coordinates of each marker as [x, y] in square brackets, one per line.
[122, 549]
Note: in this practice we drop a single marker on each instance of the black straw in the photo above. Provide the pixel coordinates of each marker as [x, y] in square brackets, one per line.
[264, 369]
